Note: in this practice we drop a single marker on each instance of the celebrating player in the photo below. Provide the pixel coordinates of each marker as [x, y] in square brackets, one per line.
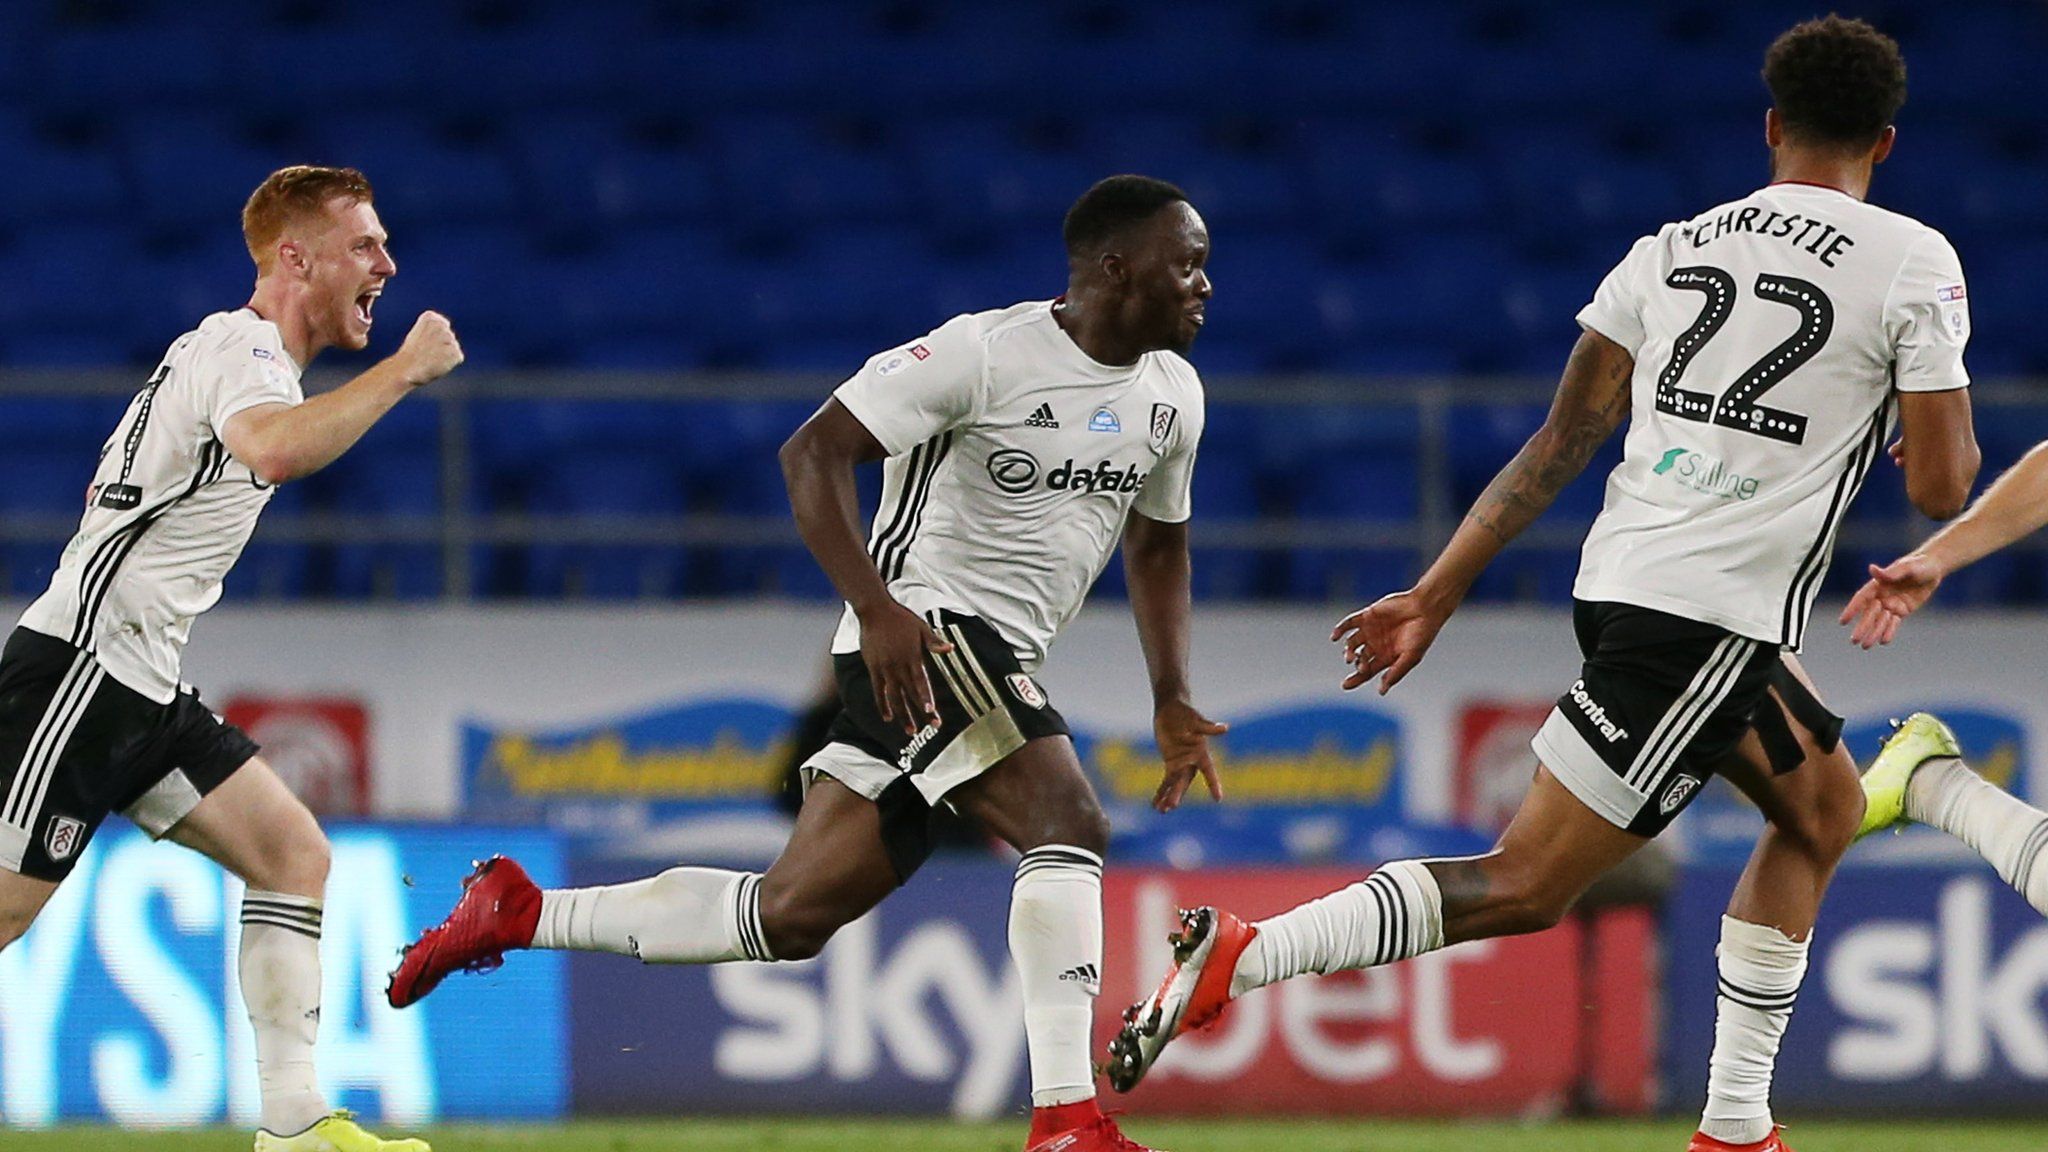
[93, 718]
[1020, 444]
[1761, 350]
[1920, 775]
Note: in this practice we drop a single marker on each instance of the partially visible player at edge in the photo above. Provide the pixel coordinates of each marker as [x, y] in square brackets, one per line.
[93, 716]
[1020, 444]
[1761, 351]
[1921, 774]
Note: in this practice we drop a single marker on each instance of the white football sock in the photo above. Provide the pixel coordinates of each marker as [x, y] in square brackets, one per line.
[1056, 940]
[1393, 914]
[682, 916]
[280, 975]
[1761, 968]
[2004, 829]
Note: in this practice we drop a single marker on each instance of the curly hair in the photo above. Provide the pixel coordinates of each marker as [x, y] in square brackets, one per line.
[1835, 81]
[290, 194]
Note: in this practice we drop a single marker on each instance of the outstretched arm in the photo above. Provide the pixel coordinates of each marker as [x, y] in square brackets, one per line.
[1156, 567]
[1392, 635]
[2015, 506]
[280, 442]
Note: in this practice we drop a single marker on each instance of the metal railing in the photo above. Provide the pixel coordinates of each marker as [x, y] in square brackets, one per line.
[459, 527]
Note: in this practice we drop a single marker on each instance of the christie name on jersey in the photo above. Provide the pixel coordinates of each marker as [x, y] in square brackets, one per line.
[1817, 237]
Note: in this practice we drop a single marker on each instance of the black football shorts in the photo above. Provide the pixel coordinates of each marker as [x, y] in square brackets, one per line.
[1660, 701]
[988, 708]
[76, 744]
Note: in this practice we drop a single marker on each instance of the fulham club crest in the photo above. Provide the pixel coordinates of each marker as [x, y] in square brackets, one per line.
[1163, 416]
[1026, 691]
[61, 842]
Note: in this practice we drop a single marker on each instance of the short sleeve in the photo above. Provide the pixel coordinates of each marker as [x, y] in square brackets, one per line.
[1927, 318]
[1617, 308]
[1168, 495]
[245, 372]
[907, 395]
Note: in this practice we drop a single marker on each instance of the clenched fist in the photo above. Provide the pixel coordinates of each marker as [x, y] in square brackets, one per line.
[430, 350]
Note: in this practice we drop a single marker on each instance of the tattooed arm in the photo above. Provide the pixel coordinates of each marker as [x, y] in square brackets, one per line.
[1392, 635]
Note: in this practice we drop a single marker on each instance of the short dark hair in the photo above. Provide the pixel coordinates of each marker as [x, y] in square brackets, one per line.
[1835, 81]
[1111, 206]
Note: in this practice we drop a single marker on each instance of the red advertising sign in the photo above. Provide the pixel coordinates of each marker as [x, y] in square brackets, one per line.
[1494, 764]
[318, 745]
[1489, 1027]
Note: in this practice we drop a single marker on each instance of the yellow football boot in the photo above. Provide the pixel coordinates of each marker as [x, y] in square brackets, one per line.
[336, 1132]
[1920, 739]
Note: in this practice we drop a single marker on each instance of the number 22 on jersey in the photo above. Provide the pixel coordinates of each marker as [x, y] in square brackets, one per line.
[1741, 406]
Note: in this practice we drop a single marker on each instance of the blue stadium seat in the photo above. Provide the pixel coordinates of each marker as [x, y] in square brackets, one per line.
[198, 169]
[1342, 461]
[586, 172]
[109, 70]
[778, 170]
[1367, 184]
[394, 472]
[272, 568]
[340, 69]
[614, 480]
[1270, 298]
[63, 278]
[480, 276]
[49, 181]
[642, 281]
[1349, 576]
[421, 177]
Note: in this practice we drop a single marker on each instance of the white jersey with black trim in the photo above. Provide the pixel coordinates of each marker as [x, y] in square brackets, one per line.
[169, 510]
[1014, 461]
[1770, 336]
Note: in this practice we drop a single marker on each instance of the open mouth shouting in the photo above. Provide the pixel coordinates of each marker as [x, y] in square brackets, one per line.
[365, 303]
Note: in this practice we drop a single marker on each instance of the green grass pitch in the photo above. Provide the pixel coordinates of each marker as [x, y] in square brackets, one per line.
[1829, 1135]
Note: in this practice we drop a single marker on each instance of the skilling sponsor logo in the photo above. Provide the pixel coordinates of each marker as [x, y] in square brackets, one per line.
[1703, 473]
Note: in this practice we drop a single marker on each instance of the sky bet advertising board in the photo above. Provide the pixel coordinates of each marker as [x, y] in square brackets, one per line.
[1305, 783]
[1926, 992]
[916, 1008]
[121, 1003]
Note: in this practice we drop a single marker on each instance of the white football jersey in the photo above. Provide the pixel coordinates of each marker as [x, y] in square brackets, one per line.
[1770, 335]
[1014, 460]
[169, 510]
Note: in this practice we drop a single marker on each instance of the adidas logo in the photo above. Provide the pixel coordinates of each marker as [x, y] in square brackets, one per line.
[1084, 974]
[1042, 418]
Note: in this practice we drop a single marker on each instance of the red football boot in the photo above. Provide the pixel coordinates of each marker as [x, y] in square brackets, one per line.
[1193, 995]
[498, 912]
[1081, 1127]
[1701, 1142]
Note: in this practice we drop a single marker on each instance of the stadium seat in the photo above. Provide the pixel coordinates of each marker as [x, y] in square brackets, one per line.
[274, 568]
[48, 180]
[721, 187]
[423, 177]
[198, 168]
[392, 477]
[106, 70]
